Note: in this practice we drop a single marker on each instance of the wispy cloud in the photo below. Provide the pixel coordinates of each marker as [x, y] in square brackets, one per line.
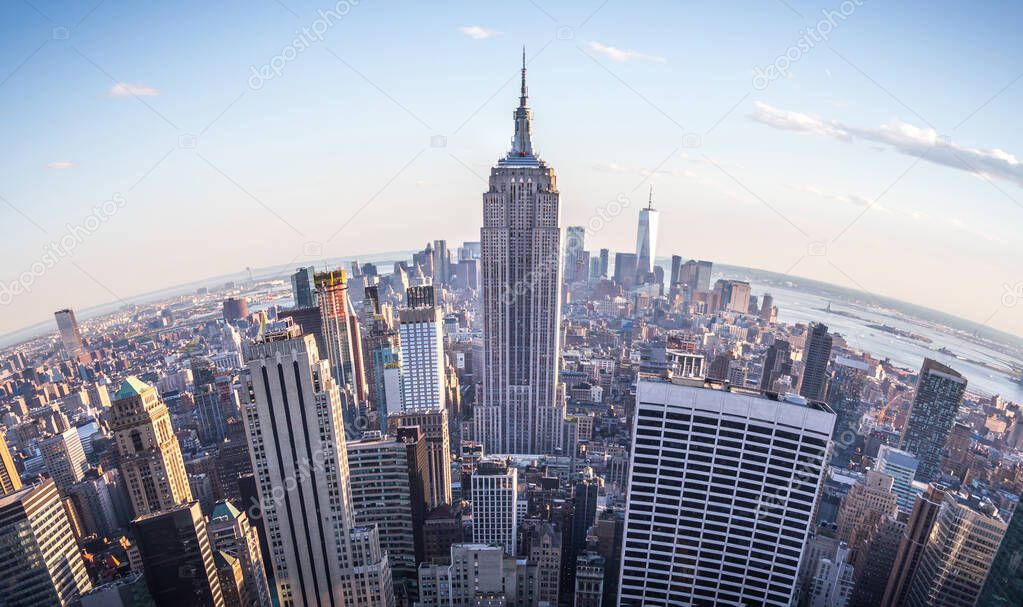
[476, 32]
[61, 165]
[903, 137]
[620, 55]
[124, 89]
[853, 199]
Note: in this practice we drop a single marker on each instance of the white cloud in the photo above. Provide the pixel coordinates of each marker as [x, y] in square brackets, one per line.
[61, 165]
[620, 55]
[476, 32]
[905, 138]
[853, 199]
[124, 89]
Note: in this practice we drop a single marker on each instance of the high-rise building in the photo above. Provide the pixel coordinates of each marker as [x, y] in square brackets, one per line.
[777, 362]
[735, 473]
[545, 550]
[40, 563]
[441, 263]
[235, 309]
[343, 340]
[478, 575]
[422, 352]
[303, 287]
[1004, 585]
[211, 419]
[230, 532]
[434, 426]
[901, 466]
[831, 582]
[589, 580]
[521, 410]
[64, 458]
[815, 361]
[646, 239]
[911, 546]
[845, 397]
[10, 480]
[70, 334]
[575, 246]
[958, 554]
[150, 456]
[604, 259]
[495, 494]
[625, 269]
[733, 295]
[177, 558]
[868, 504]
[389, 478]
[292, 408]
[939, 392]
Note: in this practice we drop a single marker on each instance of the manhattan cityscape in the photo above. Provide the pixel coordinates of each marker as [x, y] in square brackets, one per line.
[296, 310]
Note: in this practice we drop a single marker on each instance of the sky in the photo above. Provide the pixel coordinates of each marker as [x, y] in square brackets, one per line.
[871, 145]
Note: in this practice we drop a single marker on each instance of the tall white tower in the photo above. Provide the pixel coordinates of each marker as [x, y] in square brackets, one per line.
[521, 410]
[646, 239]
[297, 444]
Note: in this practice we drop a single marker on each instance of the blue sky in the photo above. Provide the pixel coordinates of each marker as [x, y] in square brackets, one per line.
[883, 159]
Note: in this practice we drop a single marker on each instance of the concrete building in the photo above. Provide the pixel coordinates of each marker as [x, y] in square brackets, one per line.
[70, 333]
[64, 458]
[422, 352]
[479, 575]
[832, 582]
[495, 509]
[230, 532]
[434, 425]
[737, 474]
[901, 466]
[10, 480]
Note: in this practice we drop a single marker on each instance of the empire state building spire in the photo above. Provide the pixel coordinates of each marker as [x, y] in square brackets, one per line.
[522, 145]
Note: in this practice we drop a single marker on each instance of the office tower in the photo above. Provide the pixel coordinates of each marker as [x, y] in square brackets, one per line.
[646, 239]
[958, 554]
[521, 410]
[93, 502]
[608, 530]
[230, 532]
[604, 259]
[478, 576]
[232, 580]
[907, 558]
[235, 309]
[422, 352]
[211, 422]
[40, 563]
[344, 345]
[625, 269]
[383, 365]
[545, 551]
[99, 397]
[676, 271]
[939, 392]
[303, 288]
[875, 562]
[766, 303]
[845, 397]
[128, 591]
[831, 583]
[10, 480]
[734, 295]
[495, 495]
[737, 475]
[469, 274]
[64, 458]
[70, 334]
[434, 425]
[150, 456]
[1004, 585]
[177, 559]
[575, 245]
[901, 466]
[388, 478]
[297, 445]
[777, 362]
[441, 263]
[815, 362]
[868, 504]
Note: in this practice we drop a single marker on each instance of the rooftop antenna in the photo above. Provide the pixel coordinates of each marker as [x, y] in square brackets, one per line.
[650, 200]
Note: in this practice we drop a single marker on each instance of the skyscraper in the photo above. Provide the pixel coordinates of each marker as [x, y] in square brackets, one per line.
[40, 562]
[911, 546]
[303, 288]
[297, 444]
[441, 263]
[575, 244]
[434, 425]
[211, 422]
[723, 485]
[521, 410]
[845, 396]
[230, 532]
[604, 259]
[64, 458]
[70, 334]
[150, 456]
[646, 239]
[901, 466]
[10, 480]
[343, 341]
[939, 392]
[815, 360]
[625, 269]
[1004, 585]
[495, 505]
[777, 362]
[422, 352]
[177, 557]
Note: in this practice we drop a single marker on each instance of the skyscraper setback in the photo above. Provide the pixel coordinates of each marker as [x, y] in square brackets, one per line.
[521, 302]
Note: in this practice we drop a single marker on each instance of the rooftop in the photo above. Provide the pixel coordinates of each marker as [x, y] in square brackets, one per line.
[132, 386]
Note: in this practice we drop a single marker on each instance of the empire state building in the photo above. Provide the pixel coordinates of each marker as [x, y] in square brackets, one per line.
[522, 409]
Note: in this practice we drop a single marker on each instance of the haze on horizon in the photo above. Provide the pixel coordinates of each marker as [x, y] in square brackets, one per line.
[151, 164]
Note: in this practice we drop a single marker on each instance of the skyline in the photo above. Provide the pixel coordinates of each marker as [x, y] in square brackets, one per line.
[228, 165]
